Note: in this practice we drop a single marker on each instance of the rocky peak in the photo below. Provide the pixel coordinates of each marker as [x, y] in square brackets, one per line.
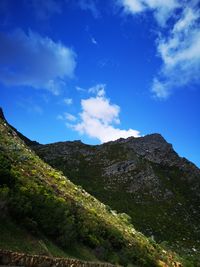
[155, 137]
[156, 149]
[152, 147]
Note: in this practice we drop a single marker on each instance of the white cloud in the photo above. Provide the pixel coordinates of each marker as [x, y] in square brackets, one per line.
[161, 9]
[183, 41]
[180, 53]
[100, 108]
[160, 89]
[133, 6]
[187, 19]
[36, 61]
[68, 101]
[178, 46]
[99, 117]
[98, 89]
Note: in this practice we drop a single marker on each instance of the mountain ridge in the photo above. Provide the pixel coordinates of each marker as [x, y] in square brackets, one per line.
[143, 177]
[149, 137]
[40, 199]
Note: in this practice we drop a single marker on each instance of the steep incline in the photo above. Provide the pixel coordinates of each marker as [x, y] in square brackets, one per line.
[44, 201]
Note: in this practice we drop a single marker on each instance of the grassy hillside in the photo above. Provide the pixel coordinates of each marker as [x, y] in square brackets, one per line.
[41, 200]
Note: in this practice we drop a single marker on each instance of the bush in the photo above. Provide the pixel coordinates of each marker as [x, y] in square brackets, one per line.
[36, 206]
[5, 171]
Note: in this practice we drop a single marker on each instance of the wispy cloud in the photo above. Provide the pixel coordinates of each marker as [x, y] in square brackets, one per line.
[80, 89]
[67, 117]
[90, 5]
[180, 53]
[70, 117]
[98, 89]
[36, 61]
[178, 45]
[99, 117]
[68, 101]
[94, 41]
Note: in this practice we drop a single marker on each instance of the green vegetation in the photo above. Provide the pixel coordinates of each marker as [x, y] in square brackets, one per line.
[169, 219]
[143, 211]
[45, 203]
[17, 238]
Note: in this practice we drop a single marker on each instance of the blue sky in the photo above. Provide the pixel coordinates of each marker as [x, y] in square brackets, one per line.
[97, 70]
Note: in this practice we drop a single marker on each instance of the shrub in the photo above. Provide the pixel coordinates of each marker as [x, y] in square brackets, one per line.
[5, 171]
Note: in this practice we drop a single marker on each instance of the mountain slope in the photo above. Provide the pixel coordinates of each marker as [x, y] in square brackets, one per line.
[143, 177]
[42, 200]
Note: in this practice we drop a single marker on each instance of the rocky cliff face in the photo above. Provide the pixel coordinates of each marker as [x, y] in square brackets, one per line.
[143, 177]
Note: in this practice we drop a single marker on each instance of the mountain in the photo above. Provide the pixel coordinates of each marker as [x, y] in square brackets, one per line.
[40, 206]
[143, 177]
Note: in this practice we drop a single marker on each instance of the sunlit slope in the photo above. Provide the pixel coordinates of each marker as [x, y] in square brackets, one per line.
[44, 201]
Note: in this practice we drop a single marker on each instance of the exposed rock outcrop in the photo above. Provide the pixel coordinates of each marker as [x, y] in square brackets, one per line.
[9, 258]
